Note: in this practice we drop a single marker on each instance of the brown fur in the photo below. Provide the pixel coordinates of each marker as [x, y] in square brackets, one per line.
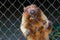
[38, 29]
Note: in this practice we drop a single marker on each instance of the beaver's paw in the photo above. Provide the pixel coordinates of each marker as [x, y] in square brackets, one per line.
[50, 25]
[28, 32]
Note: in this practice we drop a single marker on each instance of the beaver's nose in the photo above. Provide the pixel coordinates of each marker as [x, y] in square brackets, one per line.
[32, 11]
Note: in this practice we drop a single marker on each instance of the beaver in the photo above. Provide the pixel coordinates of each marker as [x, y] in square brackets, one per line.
[35, 25]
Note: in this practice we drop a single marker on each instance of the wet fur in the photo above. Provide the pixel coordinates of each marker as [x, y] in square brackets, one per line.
[38, 30]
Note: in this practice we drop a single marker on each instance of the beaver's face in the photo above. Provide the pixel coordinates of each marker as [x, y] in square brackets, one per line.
[33, 11]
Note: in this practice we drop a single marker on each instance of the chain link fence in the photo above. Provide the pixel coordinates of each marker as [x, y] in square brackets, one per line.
[11, 13]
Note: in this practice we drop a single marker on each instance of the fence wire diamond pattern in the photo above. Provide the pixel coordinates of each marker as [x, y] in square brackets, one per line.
[11, 13]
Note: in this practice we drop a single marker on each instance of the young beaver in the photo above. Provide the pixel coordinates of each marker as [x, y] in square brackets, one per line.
[35, 25]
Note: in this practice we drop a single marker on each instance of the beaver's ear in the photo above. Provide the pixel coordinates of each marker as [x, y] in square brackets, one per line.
[24, 9]
[39, 10]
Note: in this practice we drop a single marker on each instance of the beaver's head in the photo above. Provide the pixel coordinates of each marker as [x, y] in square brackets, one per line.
[32, 12]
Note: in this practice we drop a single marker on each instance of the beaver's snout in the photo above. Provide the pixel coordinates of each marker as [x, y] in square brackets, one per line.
[32, 12]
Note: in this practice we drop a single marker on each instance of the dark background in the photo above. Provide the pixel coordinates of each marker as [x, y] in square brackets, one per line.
[11, 13]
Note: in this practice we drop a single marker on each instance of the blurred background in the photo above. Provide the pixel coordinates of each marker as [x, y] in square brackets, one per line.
[11, 13]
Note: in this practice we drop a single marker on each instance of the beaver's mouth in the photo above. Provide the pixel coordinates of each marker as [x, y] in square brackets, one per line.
[31, 18]
[35, 16]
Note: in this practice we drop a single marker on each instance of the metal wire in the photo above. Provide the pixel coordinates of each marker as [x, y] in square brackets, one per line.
[11, 13]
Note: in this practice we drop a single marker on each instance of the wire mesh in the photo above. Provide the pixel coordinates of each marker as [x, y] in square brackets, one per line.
[11, 13]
